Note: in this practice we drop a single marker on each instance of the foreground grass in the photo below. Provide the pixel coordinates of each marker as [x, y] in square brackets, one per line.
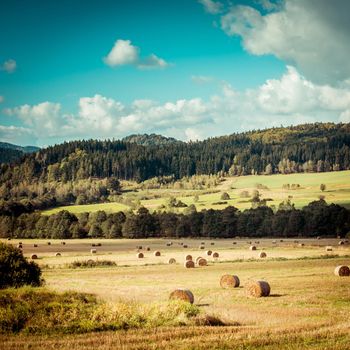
[40, 311]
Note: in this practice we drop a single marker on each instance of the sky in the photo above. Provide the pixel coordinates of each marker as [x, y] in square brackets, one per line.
[189, 69]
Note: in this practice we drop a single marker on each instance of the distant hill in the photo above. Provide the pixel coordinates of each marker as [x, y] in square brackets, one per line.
[150, 140]
[317, 147]
[10, 153]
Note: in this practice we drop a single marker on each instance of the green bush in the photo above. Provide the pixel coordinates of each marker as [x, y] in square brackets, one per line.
[15, 270]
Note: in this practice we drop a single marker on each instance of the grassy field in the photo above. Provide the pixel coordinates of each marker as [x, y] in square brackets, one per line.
[337, 191]
[309, 307]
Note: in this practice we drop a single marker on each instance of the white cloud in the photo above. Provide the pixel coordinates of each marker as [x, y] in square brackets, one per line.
[312, 35]
[201, 79]
[9, 66]
[16, 135]
[213, 7]
[292, 99]
[2, 99]
[44, 117]
[124, 53]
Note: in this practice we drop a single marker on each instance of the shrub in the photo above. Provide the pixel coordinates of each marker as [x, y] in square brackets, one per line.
[15, 270]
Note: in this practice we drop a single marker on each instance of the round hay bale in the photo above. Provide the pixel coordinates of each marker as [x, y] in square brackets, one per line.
[262, 255]
[148, 249]
[252, 247]
[209, 252]
[281, 240]
[318, 237]
[139, 247]
[202, 262]
[9, 239]
[341, 243]
[63, 243]
[171, 261]
[93, 251]
[48, 243]
[215, 255]
[182, 294]
[185, 246]
[257, 242]
[157, 253]
[188, 257]
[19, 246]
[301, 244]
[229, 281]
[234, 242]
[202, 243]
[189, 264]
[90, 262]
[58, 254]
[201, 247]
[329, 248]
[274, 242]
[93, 245]
[140, 255]
[257, 289]
[169, 244]
[342, 270]
[212, 243]
[20, 243]
[34, 256]
[197, 259]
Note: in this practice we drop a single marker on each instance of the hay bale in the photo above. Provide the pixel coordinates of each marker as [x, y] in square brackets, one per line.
[234, 242]
[215, 255]
[93, 251]
[318, 237]
[197, 259]
[262, 255]
[189, 264]
[342, 270]
[209, 252]
[257, 289]
[212, 243]
[281, 240]
[9, 239]
[169, 244]
[202, 243]
[63, 243]
[252, 247]
[98, 245]
[34, 256]
[201, 247]
[58, 254]
[202, 262]
[148, 249]
[139, 246]
[185, 245]
[301, 244]
[19, 246]
[182, 294]
[274, 242]
[229, 281]
[48, 243]
[93, 245]
[140, 255]
[329, 248]
[188, 257]
[171, 261]
[257, 242]
[341, 243]
[157, 253]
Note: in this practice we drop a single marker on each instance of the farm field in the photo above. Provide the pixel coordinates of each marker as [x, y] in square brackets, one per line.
[309, 307]
[337, 191]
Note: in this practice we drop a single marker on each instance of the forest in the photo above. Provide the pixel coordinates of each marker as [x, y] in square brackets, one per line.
[316, 219]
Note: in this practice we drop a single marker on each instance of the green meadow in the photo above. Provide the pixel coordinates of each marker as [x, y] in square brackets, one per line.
[270, 188]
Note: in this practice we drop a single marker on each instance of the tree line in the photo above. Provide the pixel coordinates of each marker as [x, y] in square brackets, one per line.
[316, 219]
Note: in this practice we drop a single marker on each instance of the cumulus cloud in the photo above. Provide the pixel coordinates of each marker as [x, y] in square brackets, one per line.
[44, 117]
[213, 7]
[312, 35]
[292, 99]
[124, 53]
[9, 66]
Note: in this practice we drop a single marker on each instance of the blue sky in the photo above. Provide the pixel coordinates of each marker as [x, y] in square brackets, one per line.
[188, 69]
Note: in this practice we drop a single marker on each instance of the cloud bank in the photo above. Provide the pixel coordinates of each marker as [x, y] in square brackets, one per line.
[274, 103]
